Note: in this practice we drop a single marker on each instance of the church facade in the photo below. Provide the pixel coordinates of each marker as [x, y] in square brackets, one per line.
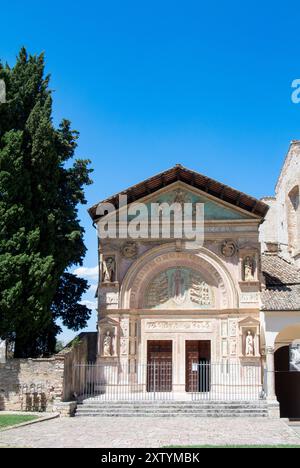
[197, 319]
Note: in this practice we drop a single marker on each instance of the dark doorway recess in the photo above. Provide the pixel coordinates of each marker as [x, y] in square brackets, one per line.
[287, 385]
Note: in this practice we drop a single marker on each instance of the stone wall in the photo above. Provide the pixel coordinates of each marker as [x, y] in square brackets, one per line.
[31, 384]
[39, 384]
[279, 226]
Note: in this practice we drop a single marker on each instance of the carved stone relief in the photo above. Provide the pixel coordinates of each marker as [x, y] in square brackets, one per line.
[228, 248]
[224, 328]
[178, 288]
[129, 249]
[123, 346]
[108, 299]
[224, 347]
[232, 327]
[138, 298]
[233, 347]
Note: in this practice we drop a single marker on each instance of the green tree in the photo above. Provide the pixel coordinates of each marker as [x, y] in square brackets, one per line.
[40, 233]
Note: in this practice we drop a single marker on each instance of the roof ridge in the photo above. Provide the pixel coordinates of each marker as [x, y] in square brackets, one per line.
[200, 181]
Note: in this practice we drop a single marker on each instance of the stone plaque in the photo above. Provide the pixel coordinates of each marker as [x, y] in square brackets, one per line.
[109, 297]
[249, 297]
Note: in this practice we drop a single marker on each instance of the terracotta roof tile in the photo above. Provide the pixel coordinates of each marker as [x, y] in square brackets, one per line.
[282, 284]
[197, 180]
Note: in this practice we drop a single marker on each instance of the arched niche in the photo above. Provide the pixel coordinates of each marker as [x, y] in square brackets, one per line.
[162, 258]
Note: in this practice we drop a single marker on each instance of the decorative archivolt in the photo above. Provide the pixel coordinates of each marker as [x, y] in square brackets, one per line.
[207, 270]
[178, 288]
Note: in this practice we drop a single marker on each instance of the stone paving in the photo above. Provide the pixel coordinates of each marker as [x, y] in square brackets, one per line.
[150, 432]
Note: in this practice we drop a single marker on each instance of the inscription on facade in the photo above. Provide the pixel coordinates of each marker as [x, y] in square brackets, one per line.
[168, 325]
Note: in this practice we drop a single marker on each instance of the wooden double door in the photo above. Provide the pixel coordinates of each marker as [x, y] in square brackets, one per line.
[197, 365]
[159, 366]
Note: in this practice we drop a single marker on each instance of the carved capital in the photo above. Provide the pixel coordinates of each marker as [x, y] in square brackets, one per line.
[270, 349]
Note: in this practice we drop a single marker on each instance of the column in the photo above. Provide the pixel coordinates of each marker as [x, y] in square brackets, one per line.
[270, 373]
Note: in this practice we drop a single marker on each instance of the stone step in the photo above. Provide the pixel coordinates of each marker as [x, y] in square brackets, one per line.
[154, 410]
[173, 402]
[170, 407]
[180, 411]
[172, 415]
[141, 410]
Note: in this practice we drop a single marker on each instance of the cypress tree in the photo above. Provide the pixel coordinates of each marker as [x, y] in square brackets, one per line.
[40, 233]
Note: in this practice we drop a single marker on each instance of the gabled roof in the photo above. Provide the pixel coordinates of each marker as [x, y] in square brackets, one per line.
[194, 179]
[282, 291]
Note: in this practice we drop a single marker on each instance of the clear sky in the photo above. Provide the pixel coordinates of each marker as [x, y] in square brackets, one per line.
[153, 83]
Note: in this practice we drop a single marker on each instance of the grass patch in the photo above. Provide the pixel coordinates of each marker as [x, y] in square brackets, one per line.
[233, 446]
[12, 419]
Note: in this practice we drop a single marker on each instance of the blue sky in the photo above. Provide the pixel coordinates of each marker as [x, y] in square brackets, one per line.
[152, 84]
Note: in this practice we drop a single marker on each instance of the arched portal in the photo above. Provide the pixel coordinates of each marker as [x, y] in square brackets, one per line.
[287, 371]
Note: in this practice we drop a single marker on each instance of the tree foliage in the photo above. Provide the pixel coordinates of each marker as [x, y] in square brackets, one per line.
[40, 233]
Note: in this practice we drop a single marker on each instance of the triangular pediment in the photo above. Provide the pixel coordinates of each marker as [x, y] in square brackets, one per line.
[249, 321]
[108, 322]
[221, 201]
[181, 193]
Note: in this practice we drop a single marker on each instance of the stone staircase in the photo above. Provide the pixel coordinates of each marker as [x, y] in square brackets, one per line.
[204, 409]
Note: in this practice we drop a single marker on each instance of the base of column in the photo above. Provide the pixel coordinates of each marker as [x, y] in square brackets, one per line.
[273, 409]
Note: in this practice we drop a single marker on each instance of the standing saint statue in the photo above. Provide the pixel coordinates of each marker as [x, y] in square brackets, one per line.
[248, 269]
[107, 342]
[249, 351]
[108, 270]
